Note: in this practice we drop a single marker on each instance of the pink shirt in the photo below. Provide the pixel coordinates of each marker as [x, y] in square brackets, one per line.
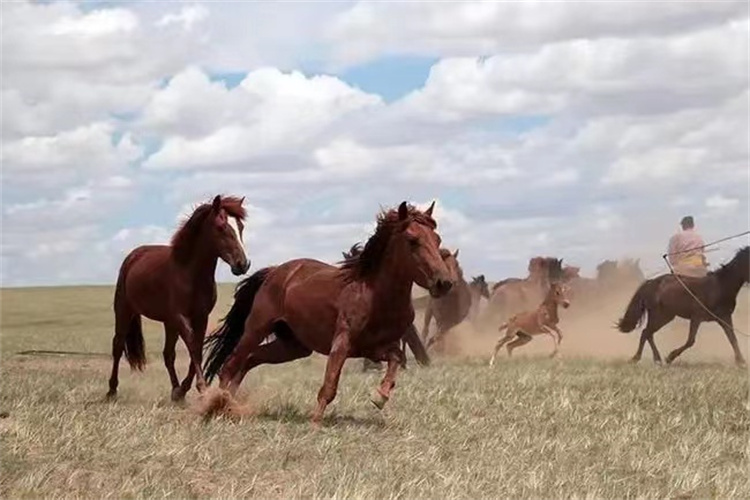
[682, 241]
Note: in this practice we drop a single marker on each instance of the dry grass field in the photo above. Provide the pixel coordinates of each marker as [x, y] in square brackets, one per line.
[585, 425]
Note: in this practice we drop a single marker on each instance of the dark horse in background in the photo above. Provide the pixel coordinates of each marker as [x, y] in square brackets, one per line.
[359, 309]
[411, 338]
[175, 284]
[454, 307]
[664, 297]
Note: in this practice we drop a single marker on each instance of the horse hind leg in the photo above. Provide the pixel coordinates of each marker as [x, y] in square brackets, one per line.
[124, 319]
[522, 339]
[500, 343]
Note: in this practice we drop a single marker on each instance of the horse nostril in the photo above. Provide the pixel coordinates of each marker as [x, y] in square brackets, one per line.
[444, 285]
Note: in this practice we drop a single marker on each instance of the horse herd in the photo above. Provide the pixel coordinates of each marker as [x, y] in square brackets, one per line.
[363, 307]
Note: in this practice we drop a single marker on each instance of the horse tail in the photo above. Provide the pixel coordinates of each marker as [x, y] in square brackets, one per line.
[635, 311]
[135, 348]
[223, 341]
[411, 337]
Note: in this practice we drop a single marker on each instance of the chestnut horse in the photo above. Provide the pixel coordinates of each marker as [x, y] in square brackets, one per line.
[411, 338]
[360, 309]
[175, 284]
[520, 328]
[711, 298]
[451, 309]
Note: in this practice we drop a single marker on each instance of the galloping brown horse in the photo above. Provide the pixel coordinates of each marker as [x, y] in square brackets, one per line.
[520, 328]
[451, 309]
[411, 338]
[664, 297]
[175, 284]
[360, 309]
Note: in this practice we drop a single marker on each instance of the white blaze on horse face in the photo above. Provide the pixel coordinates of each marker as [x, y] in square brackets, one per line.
[236, 228]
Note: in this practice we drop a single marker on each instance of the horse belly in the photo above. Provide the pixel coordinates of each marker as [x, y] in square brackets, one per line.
[310, 309]
[147, 288]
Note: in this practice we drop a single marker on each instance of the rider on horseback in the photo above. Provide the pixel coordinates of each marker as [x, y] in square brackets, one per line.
[685, 251]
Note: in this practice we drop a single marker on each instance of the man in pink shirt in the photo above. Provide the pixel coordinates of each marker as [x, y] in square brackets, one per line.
[685, 251]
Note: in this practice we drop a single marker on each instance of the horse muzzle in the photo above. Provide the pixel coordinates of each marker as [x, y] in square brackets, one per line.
[440, 288]
[242, 268]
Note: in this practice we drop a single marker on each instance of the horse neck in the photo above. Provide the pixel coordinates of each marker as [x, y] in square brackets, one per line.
[201, 265]
[731, 280]
[393, 283]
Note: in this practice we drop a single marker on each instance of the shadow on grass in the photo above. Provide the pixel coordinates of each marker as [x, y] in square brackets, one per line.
[291, 414]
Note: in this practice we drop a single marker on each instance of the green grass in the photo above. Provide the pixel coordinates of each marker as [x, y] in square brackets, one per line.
[529, 428]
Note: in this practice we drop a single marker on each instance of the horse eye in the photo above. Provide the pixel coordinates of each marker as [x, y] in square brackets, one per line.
[414, 243]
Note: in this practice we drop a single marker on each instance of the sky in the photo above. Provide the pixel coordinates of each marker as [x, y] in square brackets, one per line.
[582, 130]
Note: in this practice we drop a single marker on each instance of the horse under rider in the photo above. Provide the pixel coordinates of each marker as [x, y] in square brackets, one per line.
[685, 251]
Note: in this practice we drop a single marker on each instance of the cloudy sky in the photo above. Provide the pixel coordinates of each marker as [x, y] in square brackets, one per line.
[583, 130]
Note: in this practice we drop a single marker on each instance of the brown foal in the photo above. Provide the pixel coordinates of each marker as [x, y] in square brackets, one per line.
[520, 328]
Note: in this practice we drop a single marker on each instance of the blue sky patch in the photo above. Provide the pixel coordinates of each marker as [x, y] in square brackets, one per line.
[391, 77]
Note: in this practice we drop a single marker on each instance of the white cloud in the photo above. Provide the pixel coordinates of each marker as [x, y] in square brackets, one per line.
[187, 18]
[643, 118]
[593, 77]
[722, 204]
[269, 112]
[367, 30]
[68, 154]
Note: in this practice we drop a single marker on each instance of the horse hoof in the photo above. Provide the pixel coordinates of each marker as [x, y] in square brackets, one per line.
[177, 394]
[378, 399]
[111, 396]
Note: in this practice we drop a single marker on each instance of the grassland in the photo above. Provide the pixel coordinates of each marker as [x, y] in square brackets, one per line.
[529, 428]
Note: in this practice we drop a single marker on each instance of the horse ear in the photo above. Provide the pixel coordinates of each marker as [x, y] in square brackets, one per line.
[481, 277]
[429, 210]
[455, 254]
[216, 205]
[242, 200]
[403, 211]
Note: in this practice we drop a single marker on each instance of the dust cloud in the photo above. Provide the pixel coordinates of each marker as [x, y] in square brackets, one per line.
[589, 331]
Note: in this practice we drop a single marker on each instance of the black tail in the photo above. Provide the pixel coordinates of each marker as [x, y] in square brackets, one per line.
[223, 341]
[411, 337]
[635, 311]
[135, 350]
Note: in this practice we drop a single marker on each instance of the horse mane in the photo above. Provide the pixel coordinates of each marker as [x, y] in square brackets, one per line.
[364, 264]
[185, 238]
[742, 253]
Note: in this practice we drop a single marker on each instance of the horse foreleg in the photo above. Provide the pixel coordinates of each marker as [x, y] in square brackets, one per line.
[381, 395]
[199, 333]
[339, 352]
[692, 333]
[170, 342]
[195, 349]
[555, 340]
[728, 328]
[426, 325]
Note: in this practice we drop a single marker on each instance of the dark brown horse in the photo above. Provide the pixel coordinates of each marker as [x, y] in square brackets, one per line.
[360, 309]
[174, 284]
[665, 297]
[479, 288]
[451, 309]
